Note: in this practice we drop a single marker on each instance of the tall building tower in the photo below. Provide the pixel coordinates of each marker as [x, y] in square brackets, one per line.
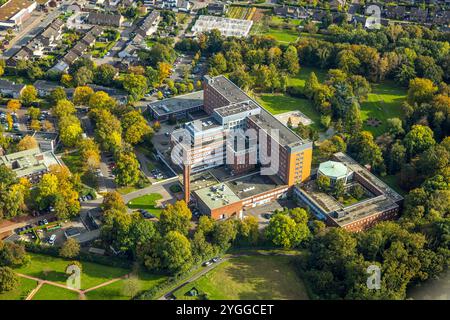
[187, 182]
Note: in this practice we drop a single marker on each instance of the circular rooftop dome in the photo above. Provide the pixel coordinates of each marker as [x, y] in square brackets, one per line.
[332, 169]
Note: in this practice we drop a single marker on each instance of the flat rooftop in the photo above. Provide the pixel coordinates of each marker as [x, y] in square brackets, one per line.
[237, 108]
[202, 125]
[267, 121]
[28, 162]
[12, 7]
[253, 184]
[366, 174]
[382, 198]
[227, 89]
[217, 196]
[178, 103]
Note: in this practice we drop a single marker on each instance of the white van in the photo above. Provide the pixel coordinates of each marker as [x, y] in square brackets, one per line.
[52, 239]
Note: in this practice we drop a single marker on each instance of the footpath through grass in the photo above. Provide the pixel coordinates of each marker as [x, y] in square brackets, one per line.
[49, 292]
[249, 277]
[116, 290]
[53, 269]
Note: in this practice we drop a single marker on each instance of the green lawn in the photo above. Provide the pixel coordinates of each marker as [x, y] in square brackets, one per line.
[279, 21]
[383, 103]
[249, 277]
[53, 269]
[279, 103]
[21, 292]
[49, 292]
[147, 202]
[282, 35]
[115, 291]
[300, 78]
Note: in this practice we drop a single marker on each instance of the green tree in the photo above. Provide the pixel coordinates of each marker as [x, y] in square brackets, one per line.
[135, 127]
[70, 249]
[127, 169]
[418, 139]
[63, 108]
[290, 60]
[323, 183]
[105, 74]
[285, 232]
[135, 85]
[176, 217]
[83, 76]
[421, 90]
[28, 95]
[8, 279]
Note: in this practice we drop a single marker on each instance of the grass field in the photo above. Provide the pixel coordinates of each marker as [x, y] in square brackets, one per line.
[115, 291]
[21, 292]
[147, 202]
[53, 269]
[279, 103]
[383, 103]
[249, 277]
[282, 35]
[49, 292]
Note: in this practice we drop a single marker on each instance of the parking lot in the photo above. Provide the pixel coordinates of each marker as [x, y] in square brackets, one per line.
[50, 231]
[21, 121]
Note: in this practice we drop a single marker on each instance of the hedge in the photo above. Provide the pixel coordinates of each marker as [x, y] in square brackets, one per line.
[109, 261]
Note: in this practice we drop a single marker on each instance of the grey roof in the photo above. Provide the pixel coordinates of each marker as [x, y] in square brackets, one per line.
[106, 19]
[178, 103]
[10, 86]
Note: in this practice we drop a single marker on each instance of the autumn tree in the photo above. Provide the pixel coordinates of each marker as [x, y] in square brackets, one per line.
[28, 95]
[70, 249]
[134, 127]
[176, 217]
[27, 143]
[421, 90]
[127, 169]
[13, 105]
[82, 95]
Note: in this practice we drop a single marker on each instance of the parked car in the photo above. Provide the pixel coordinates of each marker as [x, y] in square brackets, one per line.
[215, 259]
[51, 240]
[266, 215]
[207, 263]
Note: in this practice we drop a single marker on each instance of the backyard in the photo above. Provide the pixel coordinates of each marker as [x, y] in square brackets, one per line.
[248, 277]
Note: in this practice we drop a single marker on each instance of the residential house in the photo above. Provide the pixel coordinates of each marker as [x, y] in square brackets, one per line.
[11, 89]
[150, 24]
[217, 9]
[105, 19]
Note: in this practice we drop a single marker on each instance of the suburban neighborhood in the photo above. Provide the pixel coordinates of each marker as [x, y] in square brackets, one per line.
[224, 150]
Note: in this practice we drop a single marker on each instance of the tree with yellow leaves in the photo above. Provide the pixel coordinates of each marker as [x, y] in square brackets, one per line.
[27, 143]
[13, 105]
[82, 95]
